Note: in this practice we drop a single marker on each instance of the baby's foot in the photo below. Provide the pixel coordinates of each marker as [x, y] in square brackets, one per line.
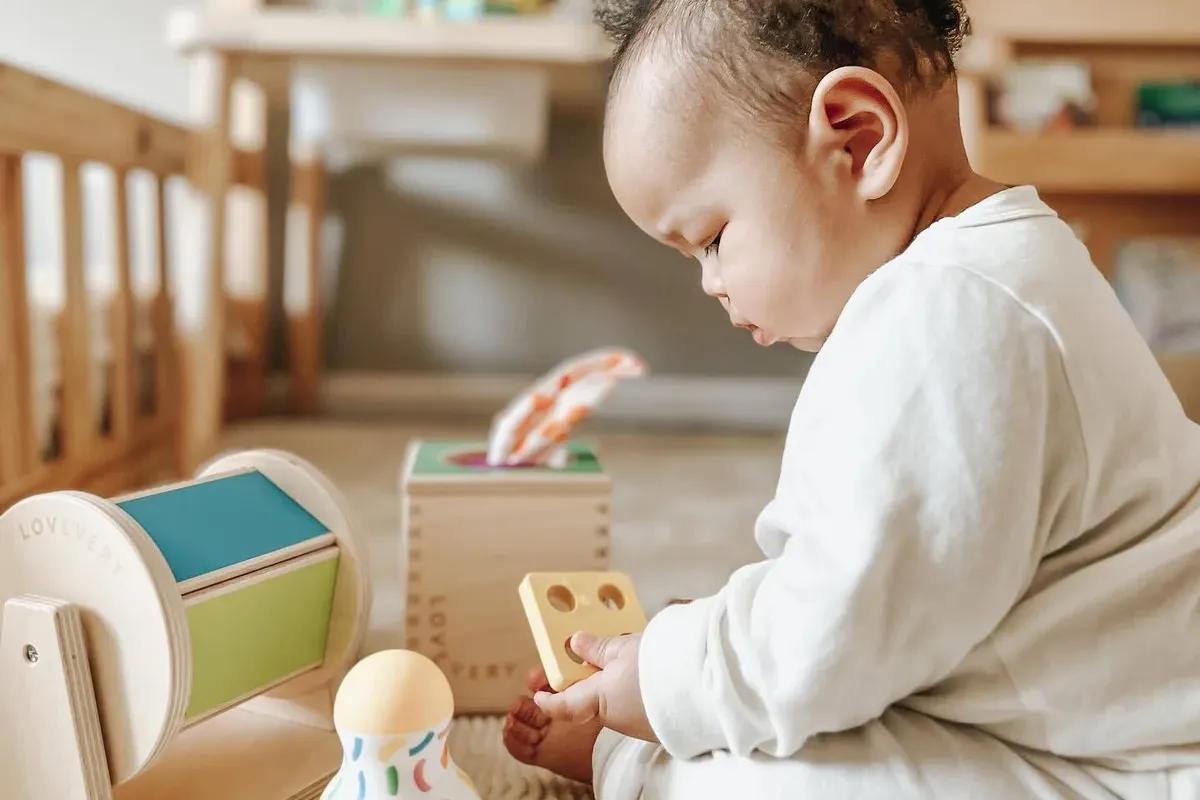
[533, 738]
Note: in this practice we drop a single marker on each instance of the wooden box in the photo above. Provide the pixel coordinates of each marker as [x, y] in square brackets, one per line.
[471, 534]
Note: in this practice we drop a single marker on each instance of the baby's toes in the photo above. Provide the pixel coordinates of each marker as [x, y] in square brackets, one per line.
[522, 740]
[525, 734]
[525, 710]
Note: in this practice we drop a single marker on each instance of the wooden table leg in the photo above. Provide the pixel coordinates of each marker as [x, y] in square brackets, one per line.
[247, 268]
[302, 300]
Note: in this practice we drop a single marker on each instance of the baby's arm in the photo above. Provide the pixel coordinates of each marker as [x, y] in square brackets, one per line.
[936, 442]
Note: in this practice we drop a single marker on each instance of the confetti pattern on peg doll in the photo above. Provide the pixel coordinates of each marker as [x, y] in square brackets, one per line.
[393, 714]
[536, 425]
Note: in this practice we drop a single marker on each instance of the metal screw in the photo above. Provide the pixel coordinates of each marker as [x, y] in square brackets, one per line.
[31, 654]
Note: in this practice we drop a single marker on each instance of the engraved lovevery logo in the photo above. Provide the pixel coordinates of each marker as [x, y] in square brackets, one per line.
[60, 526]
[430, 625]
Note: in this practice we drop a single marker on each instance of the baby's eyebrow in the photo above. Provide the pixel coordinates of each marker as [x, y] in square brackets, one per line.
[677, 242]
[669, 231]
[668, 235]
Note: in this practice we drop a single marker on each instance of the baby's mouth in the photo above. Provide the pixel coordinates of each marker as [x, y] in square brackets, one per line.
[761, 337]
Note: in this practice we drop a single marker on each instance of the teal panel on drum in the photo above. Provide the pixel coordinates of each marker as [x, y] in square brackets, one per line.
[210, 526]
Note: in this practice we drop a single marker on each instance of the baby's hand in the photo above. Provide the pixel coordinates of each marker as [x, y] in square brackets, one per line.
[613, 695]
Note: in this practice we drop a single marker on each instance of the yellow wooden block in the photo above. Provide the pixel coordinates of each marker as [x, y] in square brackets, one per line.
[559, 604]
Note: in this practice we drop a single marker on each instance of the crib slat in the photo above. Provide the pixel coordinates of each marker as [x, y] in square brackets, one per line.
[165, 353]
[78, 421]
[124, 394]
[17, 443]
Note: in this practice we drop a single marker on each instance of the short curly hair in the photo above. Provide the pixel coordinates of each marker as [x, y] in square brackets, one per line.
[754, 46]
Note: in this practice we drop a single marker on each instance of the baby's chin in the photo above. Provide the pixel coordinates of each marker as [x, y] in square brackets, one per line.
[807, 344]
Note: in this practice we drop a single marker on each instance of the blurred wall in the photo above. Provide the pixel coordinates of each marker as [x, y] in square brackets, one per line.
[447, 265]
[482, 266]
[116, 48]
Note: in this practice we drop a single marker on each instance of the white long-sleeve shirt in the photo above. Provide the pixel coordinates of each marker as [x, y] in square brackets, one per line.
[987, 512]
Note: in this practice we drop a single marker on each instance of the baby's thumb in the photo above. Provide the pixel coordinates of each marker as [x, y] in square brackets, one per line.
[599, 651]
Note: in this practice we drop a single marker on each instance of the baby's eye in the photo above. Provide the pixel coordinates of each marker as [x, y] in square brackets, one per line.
[715, 245]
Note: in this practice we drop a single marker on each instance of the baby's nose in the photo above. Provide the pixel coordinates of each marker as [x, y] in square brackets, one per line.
[711, 282]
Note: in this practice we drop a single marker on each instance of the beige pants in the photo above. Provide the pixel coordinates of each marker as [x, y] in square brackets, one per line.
[901, 756]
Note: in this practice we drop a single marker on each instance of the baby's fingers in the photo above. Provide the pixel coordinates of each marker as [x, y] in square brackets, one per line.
[577, 705]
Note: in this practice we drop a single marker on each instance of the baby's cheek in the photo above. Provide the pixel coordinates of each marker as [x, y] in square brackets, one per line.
[762, 295]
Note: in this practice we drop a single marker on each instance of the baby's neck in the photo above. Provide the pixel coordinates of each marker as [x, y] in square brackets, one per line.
[947, 185]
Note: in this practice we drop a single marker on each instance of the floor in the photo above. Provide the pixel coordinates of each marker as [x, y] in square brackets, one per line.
[683, 505]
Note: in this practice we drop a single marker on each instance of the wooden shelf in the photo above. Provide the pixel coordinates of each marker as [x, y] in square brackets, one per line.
[1148, 22]
[310, 34]
[1100, 160]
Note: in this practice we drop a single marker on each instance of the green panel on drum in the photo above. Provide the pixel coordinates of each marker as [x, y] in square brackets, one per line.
[259, 631]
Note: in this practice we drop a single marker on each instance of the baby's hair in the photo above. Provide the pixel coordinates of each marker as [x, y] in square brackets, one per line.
[755, 48]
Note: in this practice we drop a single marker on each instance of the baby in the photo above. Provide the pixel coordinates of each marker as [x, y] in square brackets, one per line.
[982, 563]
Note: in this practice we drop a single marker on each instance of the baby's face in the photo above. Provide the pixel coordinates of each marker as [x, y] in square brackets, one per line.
[781, 237]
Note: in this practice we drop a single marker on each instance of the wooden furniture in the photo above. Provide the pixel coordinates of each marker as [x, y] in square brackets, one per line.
[235, 42]
[471, 533]
[254, 35]
[164, 396]
[138, 632]
[1114, 181]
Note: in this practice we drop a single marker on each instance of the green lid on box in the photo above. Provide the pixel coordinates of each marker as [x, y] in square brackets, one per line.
[468, 458]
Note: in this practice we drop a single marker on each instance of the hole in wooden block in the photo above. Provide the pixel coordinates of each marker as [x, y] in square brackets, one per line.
[561, 598]
[611, 597]
[570, 652]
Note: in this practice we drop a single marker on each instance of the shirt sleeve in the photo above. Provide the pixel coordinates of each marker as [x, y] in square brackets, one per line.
[934, 444]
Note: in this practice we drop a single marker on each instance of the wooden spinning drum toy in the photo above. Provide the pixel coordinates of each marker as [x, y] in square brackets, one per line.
[135, 631]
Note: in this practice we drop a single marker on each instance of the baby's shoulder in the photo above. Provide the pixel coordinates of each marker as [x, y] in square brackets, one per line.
[977, 276]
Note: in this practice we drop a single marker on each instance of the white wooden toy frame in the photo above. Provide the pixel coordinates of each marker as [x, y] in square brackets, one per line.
[98, 648]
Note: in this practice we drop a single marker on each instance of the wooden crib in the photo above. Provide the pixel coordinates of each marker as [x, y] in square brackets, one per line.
[150, 404]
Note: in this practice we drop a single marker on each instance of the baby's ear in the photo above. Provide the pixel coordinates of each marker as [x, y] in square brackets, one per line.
[858, 120]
